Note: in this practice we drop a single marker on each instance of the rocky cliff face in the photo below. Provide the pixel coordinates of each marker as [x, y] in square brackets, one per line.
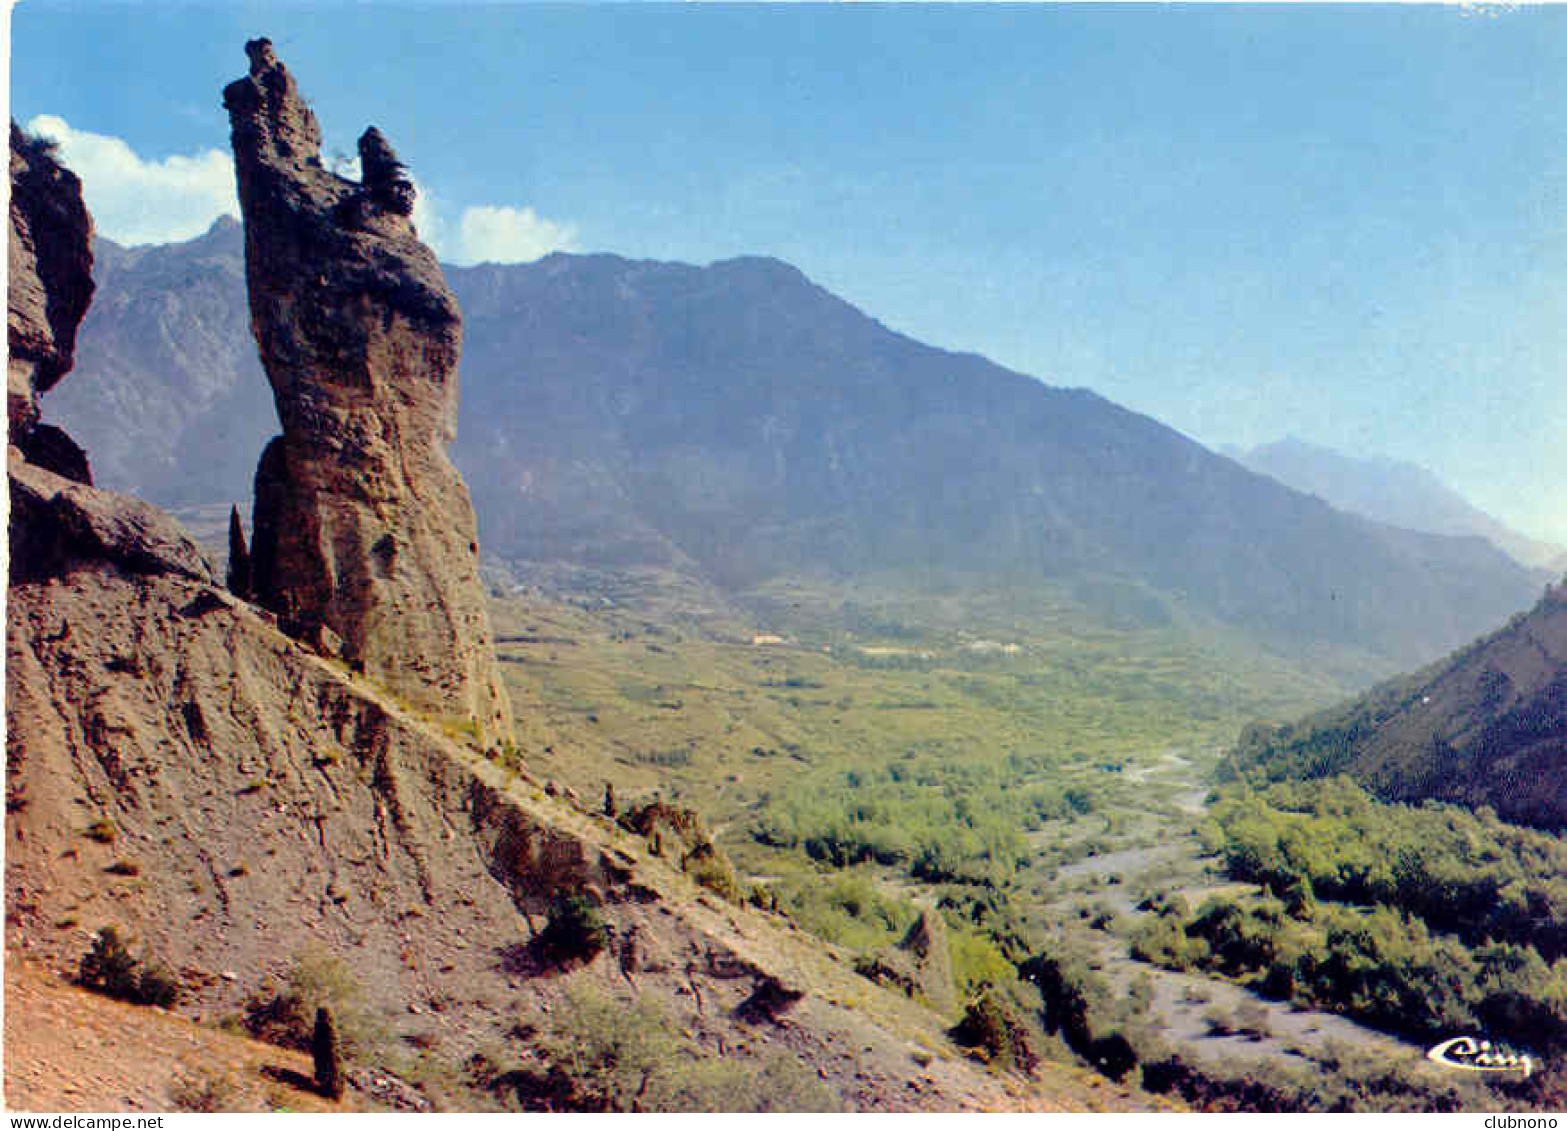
[59, 521]
[50, 285]
[365, 540]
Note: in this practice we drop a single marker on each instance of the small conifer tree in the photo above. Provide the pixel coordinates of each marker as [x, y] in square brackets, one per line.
[327, 1054]
[239, 558]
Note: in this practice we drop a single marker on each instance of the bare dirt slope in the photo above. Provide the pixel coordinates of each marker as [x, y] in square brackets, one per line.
[70, 1050]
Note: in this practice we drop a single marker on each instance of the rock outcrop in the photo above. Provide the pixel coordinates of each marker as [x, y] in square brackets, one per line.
[49, 288]
[927, 946]
[58, 525]
[365, 541]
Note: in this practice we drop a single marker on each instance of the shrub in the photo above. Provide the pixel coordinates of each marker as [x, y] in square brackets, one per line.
[707, 867]
[208, 1093]
[155, 986]
[989, 1026]
[608, 1050]
[775, 1082]
[1113, 1056]
[1063, 988]
[609, 1055]
[316, 979]
[575, 930]
[1251, 1020]
[1220, 1022]
[977, 961]
[109, 968]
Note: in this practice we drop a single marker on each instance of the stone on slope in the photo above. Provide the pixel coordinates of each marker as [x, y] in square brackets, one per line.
[364, 538]
[58, 525]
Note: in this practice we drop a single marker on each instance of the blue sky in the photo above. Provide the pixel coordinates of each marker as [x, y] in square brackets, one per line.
[1345, 223]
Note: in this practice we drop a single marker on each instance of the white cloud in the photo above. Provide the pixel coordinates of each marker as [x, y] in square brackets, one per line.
[426, 218]
[135, 201]
[487, 233]
[491, 234]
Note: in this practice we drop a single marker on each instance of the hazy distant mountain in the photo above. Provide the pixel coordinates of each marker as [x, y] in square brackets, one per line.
[1391, 491]
[739, 423]
[171, 398]
[1486, 726]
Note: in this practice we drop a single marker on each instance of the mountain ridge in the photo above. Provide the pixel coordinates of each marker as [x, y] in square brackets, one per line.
[736, 421]
[1396, 492]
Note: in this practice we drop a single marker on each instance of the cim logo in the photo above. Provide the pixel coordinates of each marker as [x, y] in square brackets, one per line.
[1480, 1056]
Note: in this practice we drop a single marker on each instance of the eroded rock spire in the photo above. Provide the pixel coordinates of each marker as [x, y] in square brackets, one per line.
[364, 539]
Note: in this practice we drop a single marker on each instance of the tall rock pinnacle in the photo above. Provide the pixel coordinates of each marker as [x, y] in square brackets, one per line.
[364, 538]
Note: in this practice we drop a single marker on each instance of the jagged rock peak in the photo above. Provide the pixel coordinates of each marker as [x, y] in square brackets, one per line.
[385, 177]
[51, 282]
[363, 535]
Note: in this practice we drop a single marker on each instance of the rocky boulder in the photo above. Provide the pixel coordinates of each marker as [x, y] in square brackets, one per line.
[365, 541]
[58, 525]
[49, 288]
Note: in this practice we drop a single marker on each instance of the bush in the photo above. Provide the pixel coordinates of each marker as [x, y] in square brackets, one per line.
[1251, 1020]
[607, 1055]
[155, 986]
[575, 930]
[317, 979]
[1113, 1056]
[208, 1093]
[707, 867]
[1063, 987]
[847, 910]
[109, 968]
[989, 1026]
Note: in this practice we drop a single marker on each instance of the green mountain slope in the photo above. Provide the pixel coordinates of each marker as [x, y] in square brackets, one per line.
[1486, 726]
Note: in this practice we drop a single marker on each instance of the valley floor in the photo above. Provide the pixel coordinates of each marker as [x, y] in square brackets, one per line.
[847, 737]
